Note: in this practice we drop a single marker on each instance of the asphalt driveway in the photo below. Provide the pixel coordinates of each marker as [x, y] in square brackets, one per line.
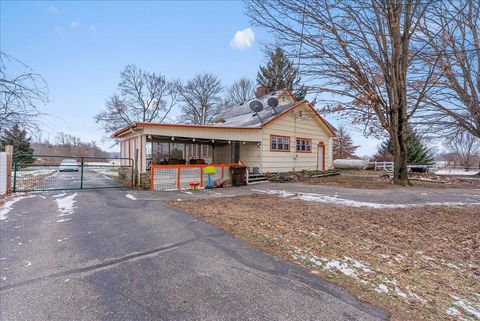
[116, 255]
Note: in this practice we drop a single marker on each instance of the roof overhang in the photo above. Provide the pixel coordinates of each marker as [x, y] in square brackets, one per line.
[139, 125]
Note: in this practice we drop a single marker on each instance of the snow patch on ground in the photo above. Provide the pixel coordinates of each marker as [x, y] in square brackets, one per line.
[59, 195]
[130, 196]
[348, 266]
[312, 197]
[8, 206]
[382, 288]
[106, 171]
[34, 172]
[466, 307]
[281, 193]
[66, 205]
[359, 271]
[342, 267]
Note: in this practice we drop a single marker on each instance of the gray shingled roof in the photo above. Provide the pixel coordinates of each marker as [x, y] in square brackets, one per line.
[240, 115]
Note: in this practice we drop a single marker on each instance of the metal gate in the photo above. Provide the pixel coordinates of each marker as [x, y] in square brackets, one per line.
[48, 172]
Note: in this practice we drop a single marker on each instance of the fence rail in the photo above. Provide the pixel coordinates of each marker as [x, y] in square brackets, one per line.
[177, 177]
[389, 166]
[382, 166]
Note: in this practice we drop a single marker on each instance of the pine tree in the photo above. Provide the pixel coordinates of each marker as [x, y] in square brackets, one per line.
[343, 145]
[418, 153]
[17, 137]
[279, 73]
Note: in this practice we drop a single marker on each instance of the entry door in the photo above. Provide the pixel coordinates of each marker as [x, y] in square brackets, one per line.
[235, 152]
[321, 157]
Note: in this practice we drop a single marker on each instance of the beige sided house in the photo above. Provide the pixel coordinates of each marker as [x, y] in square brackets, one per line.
[283, 135]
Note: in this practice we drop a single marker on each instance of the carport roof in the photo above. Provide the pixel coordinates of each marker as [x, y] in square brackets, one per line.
[143, 124]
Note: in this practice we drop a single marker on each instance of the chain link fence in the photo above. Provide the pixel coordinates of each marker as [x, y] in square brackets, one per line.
[47, 172]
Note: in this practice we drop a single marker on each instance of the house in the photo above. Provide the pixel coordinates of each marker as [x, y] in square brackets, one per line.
[282, 135]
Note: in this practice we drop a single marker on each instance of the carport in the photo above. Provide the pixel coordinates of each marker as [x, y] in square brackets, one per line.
[176, 155]
[173, 144]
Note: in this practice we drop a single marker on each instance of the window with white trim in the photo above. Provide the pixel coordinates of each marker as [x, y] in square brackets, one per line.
[280, 143]
[304, 145]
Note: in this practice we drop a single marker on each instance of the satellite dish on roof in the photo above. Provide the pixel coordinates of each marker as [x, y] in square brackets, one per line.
[256, 106]
[272, 102]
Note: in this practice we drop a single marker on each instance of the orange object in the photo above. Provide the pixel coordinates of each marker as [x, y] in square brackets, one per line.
[194, 185]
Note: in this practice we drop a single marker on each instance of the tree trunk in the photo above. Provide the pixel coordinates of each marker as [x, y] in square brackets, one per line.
[400, 174]
[399, 135]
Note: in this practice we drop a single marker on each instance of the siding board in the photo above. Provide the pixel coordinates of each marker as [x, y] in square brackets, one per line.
[293, 126]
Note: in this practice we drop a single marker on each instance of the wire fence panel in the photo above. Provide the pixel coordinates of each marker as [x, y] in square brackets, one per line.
[190, 175]
[175, 177]
[165, 179]
[47, 172]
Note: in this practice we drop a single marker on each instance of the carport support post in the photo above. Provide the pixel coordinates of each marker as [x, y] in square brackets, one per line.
[81, 173]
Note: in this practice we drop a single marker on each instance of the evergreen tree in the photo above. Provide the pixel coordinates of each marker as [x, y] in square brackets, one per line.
[343, 145]
[418, 153]
[279, 73]
[17, 137]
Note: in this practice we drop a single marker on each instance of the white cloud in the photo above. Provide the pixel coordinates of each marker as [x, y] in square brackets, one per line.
[53, 10]
[242, 39]
[74, 24]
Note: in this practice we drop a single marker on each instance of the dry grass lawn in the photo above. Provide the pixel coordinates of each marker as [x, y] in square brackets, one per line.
[380, 180]
[420, 263]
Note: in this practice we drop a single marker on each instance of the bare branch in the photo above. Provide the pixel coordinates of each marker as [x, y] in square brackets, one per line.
[201, 98]
[143, 97]
[20, 95]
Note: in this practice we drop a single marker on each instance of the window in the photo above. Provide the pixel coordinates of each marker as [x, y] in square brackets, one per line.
[304, 145]
[194, 150]
[279, 143]
[206, 151]
[199, 150]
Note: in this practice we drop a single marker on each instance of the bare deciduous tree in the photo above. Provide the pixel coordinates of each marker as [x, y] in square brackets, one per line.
[240, 91]
[66, 144]
[361, 53]
[465, 147]
[64, 139]
[201, 98]
[143, 97]
[452, 32]
[20, 95]
[343, 146]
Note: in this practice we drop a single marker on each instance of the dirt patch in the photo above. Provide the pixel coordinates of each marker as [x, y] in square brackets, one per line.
[381, 180]
[417, 263]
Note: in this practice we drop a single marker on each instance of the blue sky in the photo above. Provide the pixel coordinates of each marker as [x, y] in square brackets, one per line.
[81, 47]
